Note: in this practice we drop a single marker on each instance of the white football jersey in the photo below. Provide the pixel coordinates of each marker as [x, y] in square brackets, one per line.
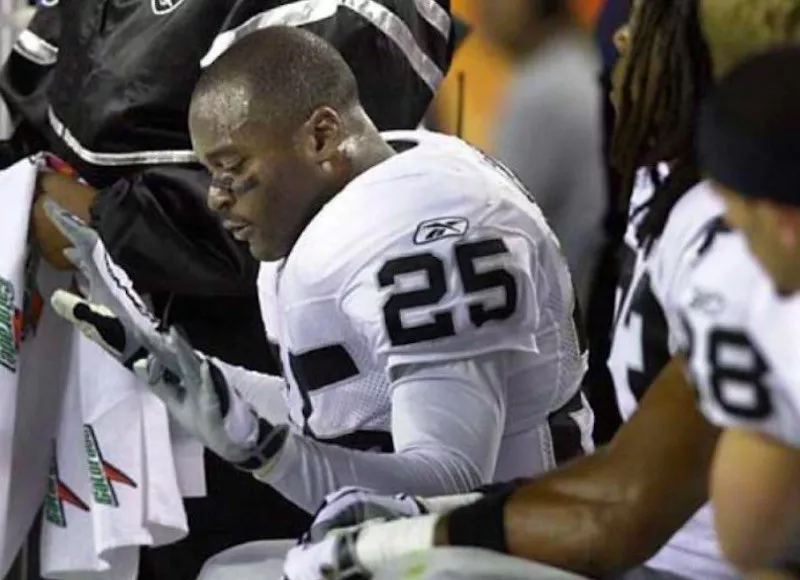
[743, 342]
[435, 255]
[647, 332]
[639, 346]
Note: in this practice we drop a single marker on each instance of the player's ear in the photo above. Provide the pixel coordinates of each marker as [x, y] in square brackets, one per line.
[322, 135]
[788, 225]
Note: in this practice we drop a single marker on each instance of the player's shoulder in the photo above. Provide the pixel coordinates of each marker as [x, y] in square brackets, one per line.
[726, 279]
[692, 216]
[745, 357]
[436, 189]
[690, 226]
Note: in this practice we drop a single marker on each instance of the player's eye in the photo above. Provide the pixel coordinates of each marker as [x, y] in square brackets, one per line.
[230, 163]
[243, 186]
[222, 183]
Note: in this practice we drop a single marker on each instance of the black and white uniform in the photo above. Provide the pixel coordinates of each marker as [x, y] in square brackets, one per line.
[425, 314]
[647, 332]
[743, 340]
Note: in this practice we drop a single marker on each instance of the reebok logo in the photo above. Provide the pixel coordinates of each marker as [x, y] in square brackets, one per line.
[437, 229]
[101, 473]
[707, 302]
[164, 6]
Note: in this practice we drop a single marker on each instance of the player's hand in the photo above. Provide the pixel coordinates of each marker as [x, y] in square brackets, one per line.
[100, 325]
[70, 193]
[352, 506]
[114, 316]
[200, 398]
[84, 241]
[333, 558]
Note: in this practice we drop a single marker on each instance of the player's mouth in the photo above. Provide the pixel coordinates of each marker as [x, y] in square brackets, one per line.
[239, 230]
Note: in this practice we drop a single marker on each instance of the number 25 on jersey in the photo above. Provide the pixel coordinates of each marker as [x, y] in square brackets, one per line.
[433, 268]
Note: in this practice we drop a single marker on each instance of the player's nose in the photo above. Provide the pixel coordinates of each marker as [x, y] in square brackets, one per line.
[219, 199]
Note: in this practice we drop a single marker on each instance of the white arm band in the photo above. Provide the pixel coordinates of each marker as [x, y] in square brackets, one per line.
[447, 503]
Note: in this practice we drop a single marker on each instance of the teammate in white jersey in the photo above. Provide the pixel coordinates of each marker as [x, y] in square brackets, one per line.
[629, 502]
[743, 318]
[422, 308]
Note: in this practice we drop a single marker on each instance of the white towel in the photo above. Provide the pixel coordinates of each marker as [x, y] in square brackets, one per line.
[32, 363]
[67, 508]
[103, 461]
[125, 470]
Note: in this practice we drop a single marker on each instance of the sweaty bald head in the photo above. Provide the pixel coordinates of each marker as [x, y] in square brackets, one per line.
[276, 77]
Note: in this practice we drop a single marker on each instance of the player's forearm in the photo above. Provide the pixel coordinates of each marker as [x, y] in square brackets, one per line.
[447, 424]
[586, 521]
[307, 470]
[610, 511]
[755, 509]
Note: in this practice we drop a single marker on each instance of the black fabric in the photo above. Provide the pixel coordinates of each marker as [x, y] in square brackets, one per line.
[320, 367]
[24, 85]
[156, 225]
[565, 432]
[373, 441]
[481, 524]
[270, 442]
[597, 382]
[749, 125]
[753, 165]
[506, 486]
[396, 98]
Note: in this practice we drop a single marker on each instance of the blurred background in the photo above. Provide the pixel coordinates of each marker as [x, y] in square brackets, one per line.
[487, 69]
[530, 86]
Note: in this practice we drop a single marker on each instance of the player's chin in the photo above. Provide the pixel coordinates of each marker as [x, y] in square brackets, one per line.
[264, 251]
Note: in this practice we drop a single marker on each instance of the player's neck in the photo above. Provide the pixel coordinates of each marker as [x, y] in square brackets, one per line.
[366, 148]
[375, 153]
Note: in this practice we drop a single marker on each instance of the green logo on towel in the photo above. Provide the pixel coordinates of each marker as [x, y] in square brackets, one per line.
[10, 322]
[101, 473]
[57, 495]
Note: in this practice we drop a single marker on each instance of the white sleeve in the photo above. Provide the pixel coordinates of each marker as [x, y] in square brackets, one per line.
[674, 257]
[451, 299]
[447, 424]
[744, 350]
[266, 393]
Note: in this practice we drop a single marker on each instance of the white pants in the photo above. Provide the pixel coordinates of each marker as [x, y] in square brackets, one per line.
[251, 561]
[469, 564]
[264, 561]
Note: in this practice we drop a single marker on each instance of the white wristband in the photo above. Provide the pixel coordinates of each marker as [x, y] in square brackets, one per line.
[381, 542]
[447, 503]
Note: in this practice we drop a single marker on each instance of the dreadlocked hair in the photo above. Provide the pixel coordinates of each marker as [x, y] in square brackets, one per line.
[669, 71]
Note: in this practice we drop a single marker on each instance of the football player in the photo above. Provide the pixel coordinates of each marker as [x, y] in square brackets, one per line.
[640, 498]
[420, 304]
[743, 318]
